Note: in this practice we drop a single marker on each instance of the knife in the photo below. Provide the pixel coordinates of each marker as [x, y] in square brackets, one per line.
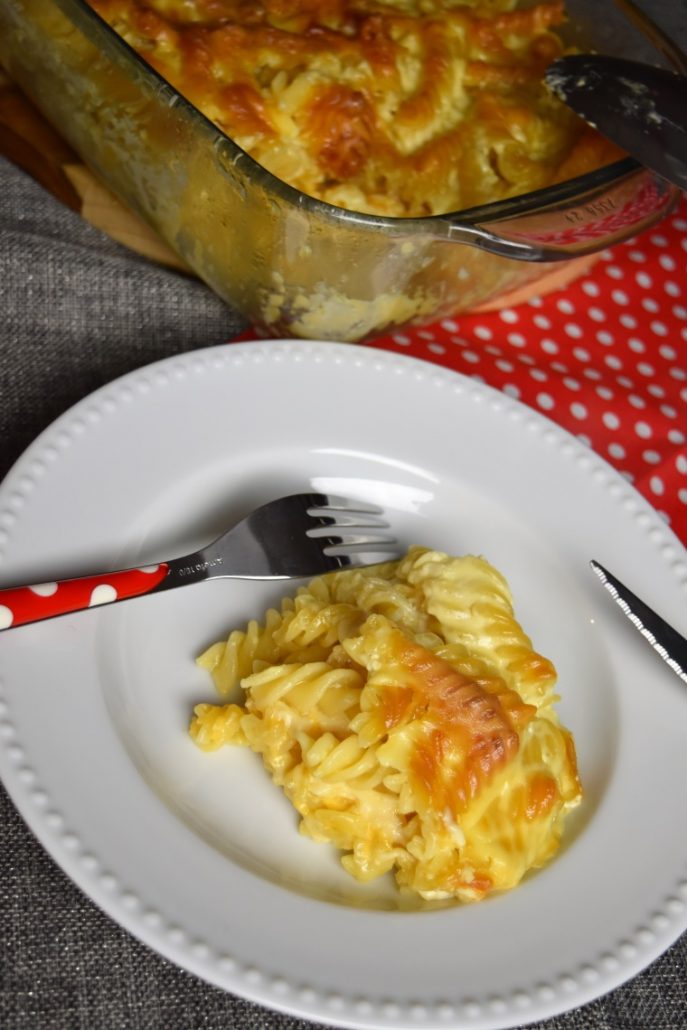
[639, 107]
[670, 645]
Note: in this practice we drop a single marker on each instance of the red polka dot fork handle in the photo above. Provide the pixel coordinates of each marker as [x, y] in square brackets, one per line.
[22, 605]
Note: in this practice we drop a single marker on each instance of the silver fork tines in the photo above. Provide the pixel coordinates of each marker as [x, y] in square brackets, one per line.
[348, 531]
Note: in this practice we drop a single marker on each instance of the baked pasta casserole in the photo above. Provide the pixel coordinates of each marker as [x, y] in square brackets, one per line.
[408, 719]
[390, 107]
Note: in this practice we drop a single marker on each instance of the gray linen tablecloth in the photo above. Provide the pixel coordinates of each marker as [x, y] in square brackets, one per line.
[78, 310]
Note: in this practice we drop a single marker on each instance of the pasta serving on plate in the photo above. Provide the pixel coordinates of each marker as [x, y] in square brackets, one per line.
[408, 719]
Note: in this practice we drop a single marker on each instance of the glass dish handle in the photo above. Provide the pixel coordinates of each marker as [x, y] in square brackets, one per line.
[570, 225]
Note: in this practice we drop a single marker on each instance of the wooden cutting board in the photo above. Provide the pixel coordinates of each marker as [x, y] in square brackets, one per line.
[29, 141]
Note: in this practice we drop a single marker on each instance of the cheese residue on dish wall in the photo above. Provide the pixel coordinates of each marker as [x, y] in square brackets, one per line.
[408, 719]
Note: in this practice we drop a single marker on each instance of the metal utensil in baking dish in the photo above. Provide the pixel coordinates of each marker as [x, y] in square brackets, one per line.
[638, 106]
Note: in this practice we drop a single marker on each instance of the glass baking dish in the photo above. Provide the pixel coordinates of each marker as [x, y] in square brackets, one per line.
[293, 265]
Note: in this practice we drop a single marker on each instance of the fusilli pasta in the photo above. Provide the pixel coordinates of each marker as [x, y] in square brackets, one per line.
[408, 719]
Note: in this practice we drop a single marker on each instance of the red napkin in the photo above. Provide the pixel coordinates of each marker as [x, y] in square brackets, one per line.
[606, 358]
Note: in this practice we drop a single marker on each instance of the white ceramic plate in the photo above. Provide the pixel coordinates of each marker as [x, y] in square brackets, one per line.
[198, 855]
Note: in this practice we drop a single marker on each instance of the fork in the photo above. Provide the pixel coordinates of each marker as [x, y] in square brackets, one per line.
[301, 535]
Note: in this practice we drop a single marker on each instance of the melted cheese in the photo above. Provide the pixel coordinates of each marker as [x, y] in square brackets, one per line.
[396, 107]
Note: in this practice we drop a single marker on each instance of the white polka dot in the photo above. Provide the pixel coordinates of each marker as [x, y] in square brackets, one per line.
[643, 429]
[620, 297]
[672, 289]
[510, 316]
[149, 569]
[613, 361]
[535, 302]
[566, 307]
[539, 375]
[583, 438]
[512, 390]
[578, 411]
[516, 339]
[644, 280]
[681, 464]
[572, 384]
[656, 390]
[6, 616]
[597, 314]
[526, 359]
[680, 224]
[591, 289]
[682, 495]
[573, 330]
[676, 436]
[605, 338]
[645, 369]
[549, 346]
[616, 450]
[659, 328]
[680, 312]
[542, 321]
[650, 305]
[44, 589]
[401, 340]
[665, 261]
[625, 382]
[629, 321]
[450, 325]
[436, 348]
[505, 366]
[658, 240]
[604, 393]
[614, 272]
[470, 356]
[591, 373]
[610, 420]
[638, 256]
[581, 354]
[483, 332]
[667, 352]
[104, 593]
[679, 374]
[638, 346]
[656, 485]
[545, 401]
[636, 401]
[651, 457]
[668, 410]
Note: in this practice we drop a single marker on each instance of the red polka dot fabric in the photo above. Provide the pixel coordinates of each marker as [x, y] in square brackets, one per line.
[606, 358]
